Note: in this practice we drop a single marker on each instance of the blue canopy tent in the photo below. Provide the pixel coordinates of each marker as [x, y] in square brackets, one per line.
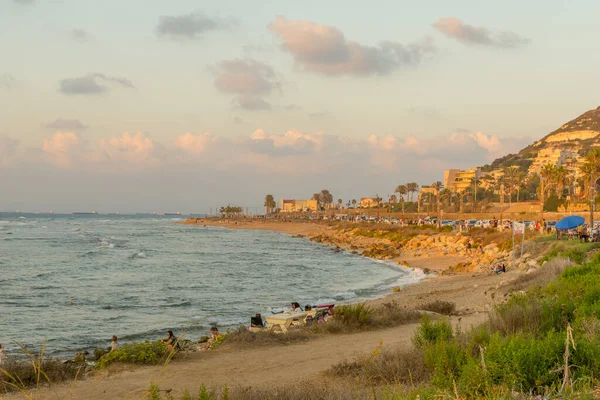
[570, 222]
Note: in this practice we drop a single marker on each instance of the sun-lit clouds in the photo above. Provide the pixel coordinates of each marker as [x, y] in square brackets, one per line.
[70, 125]
[189, 26]
[136, 148]
[454, 28]
[249, 79]
[325, 49]
[195, 144]
[63, 148]
[92, 84]
[7, 81]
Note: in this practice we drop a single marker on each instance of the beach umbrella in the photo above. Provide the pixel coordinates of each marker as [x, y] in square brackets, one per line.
[569, 222]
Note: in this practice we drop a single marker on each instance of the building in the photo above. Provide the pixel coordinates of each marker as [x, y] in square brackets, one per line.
[368, 202]
[555, 157]
[457, 180]
[298, 205]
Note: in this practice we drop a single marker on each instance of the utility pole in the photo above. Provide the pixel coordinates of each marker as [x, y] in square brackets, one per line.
[592, 201]
[501, 224]
[542, 180]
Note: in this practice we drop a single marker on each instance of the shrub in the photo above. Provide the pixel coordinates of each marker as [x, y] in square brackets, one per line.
[136, 353]
[391, 366]
[355, 315]
[440, 307]
[431, 332]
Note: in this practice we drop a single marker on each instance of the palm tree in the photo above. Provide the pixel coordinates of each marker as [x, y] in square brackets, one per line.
[340, 201]
[393, 199]
[412, 188]
[270, 203]
[446, 194]
[402, 190]
[353, 203]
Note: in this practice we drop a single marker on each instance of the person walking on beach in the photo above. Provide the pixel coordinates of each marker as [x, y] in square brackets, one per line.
[114, 345]
[2, 354]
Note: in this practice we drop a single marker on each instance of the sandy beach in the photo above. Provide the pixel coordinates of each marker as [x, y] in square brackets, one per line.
[473, 293]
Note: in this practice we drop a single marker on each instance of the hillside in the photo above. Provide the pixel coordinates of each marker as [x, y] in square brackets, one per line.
[578, 135]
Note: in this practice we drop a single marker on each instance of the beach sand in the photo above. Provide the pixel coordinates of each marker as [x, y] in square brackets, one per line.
[271, 366]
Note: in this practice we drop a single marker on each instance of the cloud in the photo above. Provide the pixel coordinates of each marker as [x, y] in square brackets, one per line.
[72, 125]
[237, 120]
[249, 79]
[324, 49]
[7, 81]
[189, 26]
[195, 143]
[251, 103]
[92, 84]
[79, 35]
[63, 148]
[136, 148]
[454, 28]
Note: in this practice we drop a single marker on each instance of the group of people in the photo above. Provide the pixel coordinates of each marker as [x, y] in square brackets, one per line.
[172, 342]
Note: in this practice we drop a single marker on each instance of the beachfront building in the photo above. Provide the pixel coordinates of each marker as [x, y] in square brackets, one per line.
[298, 205]
[458, 180]
[368, 202]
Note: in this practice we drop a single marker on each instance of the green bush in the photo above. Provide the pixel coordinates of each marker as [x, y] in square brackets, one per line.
[136, 353]
[431, 332]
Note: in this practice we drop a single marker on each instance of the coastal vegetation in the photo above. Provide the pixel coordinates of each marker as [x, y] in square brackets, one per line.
[543, 343]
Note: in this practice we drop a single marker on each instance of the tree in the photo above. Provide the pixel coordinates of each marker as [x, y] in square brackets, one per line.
[340, 201]
[402, 190]
[446, 195]
[353, 203]
[270, 203]
[393, 199]
[325, 197]
[412, 188]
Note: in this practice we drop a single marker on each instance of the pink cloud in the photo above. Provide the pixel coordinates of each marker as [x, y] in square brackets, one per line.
[63, 147]
[454, 28]
[195, 143]
[127, 148]
[324, 49]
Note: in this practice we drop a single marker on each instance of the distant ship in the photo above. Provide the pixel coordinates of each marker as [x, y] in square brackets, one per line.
[113, 213]
[175, 213]
[85, 213]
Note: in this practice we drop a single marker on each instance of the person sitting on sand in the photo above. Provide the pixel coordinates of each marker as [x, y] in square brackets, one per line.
[170, 341]
[114, 345]
[295, 306]
[2, 354]
[214, 335]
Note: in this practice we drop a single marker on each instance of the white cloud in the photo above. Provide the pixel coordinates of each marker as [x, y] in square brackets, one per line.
[63, 148]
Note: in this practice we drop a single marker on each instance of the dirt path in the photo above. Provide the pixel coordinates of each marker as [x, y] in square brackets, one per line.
[259, 366]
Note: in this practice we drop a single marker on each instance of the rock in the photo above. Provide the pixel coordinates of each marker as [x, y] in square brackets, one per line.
[530, 270]
[526, 256]
[533, 264]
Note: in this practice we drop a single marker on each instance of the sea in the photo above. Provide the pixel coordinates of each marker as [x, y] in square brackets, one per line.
[70, 282]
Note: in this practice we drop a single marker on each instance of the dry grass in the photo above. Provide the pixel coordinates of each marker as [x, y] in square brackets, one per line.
[20, 375]
[541, 276]
[399, 366]
[440, 306]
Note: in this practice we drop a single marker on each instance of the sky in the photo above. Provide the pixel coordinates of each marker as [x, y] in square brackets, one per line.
[149, 105]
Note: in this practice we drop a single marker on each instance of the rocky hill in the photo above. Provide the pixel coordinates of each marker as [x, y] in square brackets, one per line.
[578, 135]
